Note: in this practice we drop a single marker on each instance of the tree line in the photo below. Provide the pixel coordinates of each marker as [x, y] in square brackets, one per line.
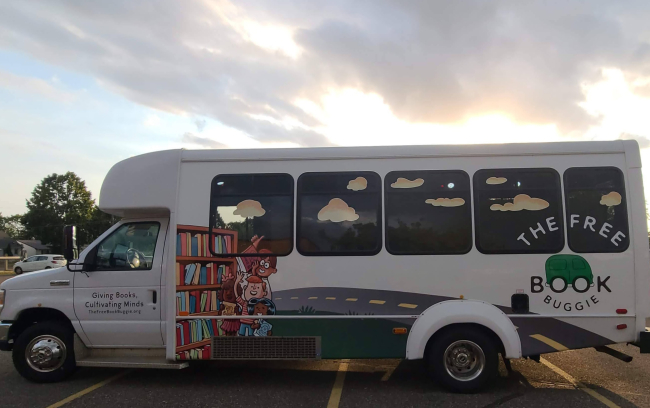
[58, 200]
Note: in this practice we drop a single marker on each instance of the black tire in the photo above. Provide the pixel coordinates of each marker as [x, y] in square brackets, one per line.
[18, 270]
[48, 267]
[456, 338]
[46, 331]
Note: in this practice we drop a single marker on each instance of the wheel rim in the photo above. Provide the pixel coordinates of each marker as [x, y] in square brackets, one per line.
[464, 360]
[46, 353]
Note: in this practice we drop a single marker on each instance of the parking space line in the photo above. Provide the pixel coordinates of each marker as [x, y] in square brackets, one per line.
[337, 390]
[557, 346]
[560, 347]
[578, 384]
[89, 389]
[377, 302]
[389, 372]
[407, 305]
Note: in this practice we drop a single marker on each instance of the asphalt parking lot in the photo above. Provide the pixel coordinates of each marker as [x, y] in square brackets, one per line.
[582, 378]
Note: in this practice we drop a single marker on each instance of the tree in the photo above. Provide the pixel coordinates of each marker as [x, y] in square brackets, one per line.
[13, 226]
[59, 200]
[98, 223]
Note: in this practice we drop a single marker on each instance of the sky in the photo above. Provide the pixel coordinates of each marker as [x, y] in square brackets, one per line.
[84, 85]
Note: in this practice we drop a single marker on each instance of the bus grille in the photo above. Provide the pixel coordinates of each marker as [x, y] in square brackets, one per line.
[265, 348]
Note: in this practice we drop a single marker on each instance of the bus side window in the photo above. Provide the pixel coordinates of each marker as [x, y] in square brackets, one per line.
[339, 213]
[596, 209]
[259, 207]
[428, 212]
[518, 211]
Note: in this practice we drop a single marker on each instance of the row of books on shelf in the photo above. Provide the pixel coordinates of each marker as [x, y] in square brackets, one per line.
[197, 274]
[199, 353]
[197, 244]
[196, 301]
[193, 331]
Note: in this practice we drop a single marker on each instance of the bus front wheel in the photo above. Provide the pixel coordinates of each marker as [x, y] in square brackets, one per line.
[463, 359]
[44, 352]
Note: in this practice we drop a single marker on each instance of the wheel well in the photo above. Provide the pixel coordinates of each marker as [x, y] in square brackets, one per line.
[492, 335]
[32, 316]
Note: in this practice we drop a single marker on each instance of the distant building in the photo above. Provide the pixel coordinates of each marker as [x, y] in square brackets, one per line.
[32, 247]
[9, 246]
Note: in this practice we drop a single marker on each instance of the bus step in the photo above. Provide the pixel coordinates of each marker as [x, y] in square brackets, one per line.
[132, 362]
[614, 353]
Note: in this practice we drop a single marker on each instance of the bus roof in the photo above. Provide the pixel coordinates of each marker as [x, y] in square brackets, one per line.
[147, 184]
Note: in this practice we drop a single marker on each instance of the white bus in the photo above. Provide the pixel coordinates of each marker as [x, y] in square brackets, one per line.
[451, 254]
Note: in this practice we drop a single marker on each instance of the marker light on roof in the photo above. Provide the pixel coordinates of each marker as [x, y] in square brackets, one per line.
[450, 185]
[220, 183]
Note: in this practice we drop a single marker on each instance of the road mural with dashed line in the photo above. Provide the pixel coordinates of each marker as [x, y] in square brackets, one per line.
[347, 301]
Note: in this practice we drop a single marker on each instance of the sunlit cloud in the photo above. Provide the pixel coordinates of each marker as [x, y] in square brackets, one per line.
[270, 37]
[353, 118]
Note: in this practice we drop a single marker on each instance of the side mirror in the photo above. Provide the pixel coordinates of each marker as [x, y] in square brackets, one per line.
[70, 251]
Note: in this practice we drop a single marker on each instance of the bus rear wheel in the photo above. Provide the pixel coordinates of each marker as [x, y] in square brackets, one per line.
[463, 359]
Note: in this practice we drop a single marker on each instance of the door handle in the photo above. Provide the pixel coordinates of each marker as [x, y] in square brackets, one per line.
[155, 297]
[62, 282]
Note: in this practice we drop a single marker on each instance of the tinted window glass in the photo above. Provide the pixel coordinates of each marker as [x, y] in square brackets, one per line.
[339, 213]
[518, 211]
[596, 209]
[428, 212]
[41, 258]
[259, 207]
[131, 246]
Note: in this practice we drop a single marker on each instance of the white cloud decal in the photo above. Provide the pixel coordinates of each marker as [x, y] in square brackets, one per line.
[249, 209]
[611, 199]
[496, 180]
[337, 211]
[358, 184]
[406, 183]
[445, 202]
[521, 202]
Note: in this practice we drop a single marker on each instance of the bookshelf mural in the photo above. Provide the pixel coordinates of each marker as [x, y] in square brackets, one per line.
[209, 285]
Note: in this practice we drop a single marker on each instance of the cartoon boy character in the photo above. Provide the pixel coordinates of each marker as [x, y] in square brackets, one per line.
[261, 307]
[254, 288]
[264, 268]
[229, 307]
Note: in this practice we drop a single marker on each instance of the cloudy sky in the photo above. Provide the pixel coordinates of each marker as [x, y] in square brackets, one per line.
[86, 84]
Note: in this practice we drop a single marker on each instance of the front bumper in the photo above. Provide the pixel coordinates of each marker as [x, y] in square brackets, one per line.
[4, 337]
